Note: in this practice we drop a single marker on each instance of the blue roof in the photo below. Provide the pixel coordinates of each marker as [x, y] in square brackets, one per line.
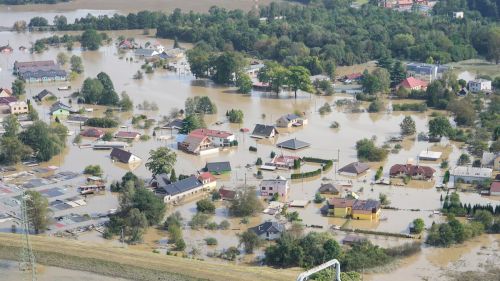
[182, 185]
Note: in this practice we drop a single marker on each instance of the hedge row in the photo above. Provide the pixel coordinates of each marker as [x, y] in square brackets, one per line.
[306, 174]
[327, 164]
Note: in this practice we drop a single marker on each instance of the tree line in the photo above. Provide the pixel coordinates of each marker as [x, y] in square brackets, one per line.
[316, 35]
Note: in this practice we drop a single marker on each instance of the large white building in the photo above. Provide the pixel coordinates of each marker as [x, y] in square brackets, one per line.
[470, 174]
[278, 185]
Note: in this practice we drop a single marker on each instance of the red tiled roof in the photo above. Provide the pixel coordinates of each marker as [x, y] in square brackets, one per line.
[353, 76]
[412, 82]
[495, 186]
[93, 133]
[412, 170]
[227, 193]
[207, 176]
[211, 133]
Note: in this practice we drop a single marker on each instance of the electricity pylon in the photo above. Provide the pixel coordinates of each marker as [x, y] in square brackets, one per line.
[27, 261]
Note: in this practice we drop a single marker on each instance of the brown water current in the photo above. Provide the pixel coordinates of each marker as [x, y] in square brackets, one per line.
[169, 90]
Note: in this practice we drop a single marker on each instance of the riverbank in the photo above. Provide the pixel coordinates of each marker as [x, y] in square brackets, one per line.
[132, 264]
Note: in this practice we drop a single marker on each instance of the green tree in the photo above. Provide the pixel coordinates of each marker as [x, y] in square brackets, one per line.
[37, 208]
[12, 150]
[397, 73]
[244, 83]
[367, 151]
[76, 64]
[92, 90]
[205, 206]
[235, 116]
[298, 79]
[136, 224]
[149, 204]
[484, 217]
[91, 39]
[250, 240]
[199, 60]
[94, 170]
[126, 103]
[464, 159]
[11, 126]
[439, 127]
[173, 177]
[225, 66]
[418, 225]
[108, 95]
[18, 87]
[46, 141]
[493, 45]
[62, 58]
[246, 203]
[161, 161]
[408, 126]
[274, 74]
[192, 122]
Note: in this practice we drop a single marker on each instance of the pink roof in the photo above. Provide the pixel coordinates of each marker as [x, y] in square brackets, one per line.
[212, 133]
[127, 135]
[495, 186]
[405, 2]
[412, 82]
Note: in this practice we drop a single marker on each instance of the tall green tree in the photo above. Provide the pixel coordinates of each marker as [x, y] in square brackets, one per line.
[76, 64]
[161, 161]
[12, 150]
[298, 79]
[91, 39]
[244, 83]
[11, 126]
[408, 126]
[274, 74]
[18, 87]
[226, 66]
[37, 208]
[46, 141]
[439, 127]
[250, 240]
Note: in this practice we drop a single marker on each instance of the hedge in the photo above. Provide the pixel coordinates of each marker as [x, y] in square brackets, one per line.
[306, 174]
[327, 164]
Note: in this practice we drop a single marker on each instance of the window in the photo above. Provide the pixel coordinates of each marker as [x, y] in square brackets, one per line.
[270, 188]
[263, 188]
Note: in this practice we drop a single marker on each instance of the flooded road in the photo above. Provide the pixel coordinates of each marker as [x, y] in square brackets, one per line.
[169, 90]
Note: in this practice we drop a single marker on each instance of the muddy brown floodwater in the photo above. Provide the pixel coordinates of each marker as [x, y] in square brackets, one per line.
[169, 90]
[80, 8]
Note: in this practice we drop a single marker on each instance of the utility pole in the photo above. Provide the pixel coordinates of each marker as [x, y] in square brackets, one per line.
[27, 261]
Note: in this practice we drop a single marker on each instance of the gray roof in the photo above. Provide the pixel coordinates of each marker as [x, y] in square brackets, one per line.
[174, 124]
[218, 167]
[293, 144]
[182, 185]
[39, 74]
[121, 155]
[328, 188]
[290, 117]
[144, 52]
[264, 130]
[355, 168]
[77, 118]
[268, 226]
[43, 94]
[59, 105]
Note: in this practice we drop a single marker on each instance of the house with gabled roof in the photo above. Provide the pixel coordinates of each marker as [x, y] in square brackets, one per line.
[269, 230]
[197, 144]
[93, 133]
[61, 109]
[279, 185]
[124, 156]
[328, 188]
[125, 135]
[354, 169]
[289, 120]
[43, 95]
[218, 138]
[293, 144]
[355, 208]
[4, 92]
[176, 191]
[416, 172]
[412, 83]
[264, 131]
[218, 168]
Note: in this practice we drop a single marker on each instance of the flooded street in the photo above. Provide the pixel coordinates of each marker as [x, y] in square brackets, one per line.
[169, 90]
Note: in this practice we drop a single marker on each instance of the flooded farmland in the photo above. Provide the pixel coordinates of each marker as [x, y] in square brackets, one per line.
[169, 90]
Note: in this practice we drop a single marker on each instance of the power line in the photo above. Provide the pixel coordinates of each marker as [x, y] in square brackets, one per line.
[27, 261]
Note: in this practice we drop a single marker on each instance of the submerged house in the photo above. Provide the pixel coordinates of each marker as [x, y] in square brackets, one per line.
[328, 188]
[269, 230]
[469, 174]
[218, 167]
[355, 208]
[197, 144]
[40, 71]
[218, 138]
[124, 156]
[61, 109]
[93, 133]
[43, 95]
[264, 131]
[279, 185]
[293, 144]
[416, 172]
[176, 191]
[289, 120]
[123, 135]
[354, 169]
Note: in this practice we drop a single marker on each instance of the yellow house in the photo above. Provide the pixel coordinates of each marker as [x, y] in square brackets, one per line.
[366, 210]
[208, 180]
[340, 207]
[354, 208]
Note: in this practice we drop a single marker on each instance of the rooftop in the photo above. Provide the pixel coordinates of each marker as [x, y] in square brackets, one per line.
[293, 144]
[211, 133]
[355, 168]
[468, 171]
[182, 185]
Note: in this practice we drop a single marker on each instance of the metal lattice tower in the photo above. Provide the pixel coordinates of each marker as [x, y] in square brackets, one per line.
[27, 261]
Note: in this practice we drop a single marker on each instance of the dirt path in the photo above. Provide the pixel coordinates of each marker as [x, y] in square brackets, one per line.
[133, 264]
